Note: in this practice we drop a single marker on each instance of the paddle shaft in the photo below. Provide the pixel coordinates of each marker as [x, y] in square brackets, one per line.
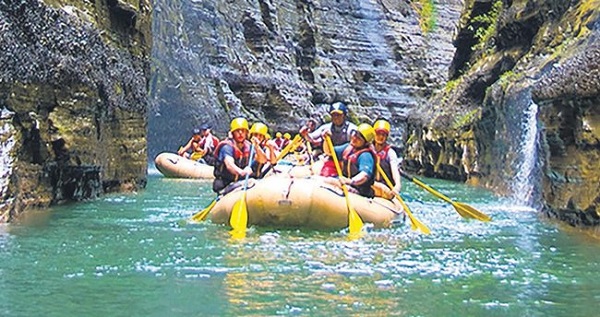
[201, 215]
[239, 215]
[283, 153]
[464, 210]
[427, 188]
[288, 147]
[355, 224]
[415, 222]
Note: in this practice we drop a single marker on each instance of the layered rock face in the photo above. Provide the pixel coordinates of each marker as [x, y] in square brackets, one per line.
[569, 99]
[279, 61]
[73, 100]
[520, 112]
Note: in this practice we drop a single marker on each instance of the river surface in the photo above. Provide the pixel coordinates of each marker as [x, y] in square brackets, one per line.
[132, 255]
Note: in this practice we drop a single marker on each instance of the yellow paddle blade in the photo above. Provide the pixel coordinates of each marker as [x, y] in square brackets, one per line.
[355, 225]
[239, 214]
[467, 211]
[463, 210]
[415, 223]
[196, 156]
[238, 234]
[201, 215]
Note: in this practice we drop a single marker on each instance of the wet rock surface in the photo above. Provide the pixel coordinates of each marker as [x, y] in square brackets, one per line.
[523, 96]
[279, 61]
[73, 99]
[503, 94]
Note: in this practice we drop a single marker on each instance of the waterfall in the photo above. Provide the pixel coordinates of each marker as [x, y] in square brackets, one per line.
[524, 183]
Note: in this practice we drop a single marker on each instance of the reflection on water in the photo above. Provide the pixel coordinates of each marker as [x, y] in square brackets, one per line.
[131, 255]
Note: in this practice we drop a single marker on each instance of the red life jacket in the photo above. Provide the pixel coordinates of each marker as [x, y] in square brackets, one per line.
[215, 143]
[328, 169]
[384, 162]
[279, 143]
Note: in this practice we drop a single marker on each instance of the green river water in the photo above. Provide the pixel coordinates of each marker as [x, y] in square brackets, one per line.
[130, 255]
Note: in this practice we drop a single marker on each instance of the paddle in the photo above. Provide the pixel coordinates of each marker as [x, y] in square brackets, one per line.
[355, 224]
[464, 210]
[196, 156]
[201, 215]
[239, 214]
[416, 224]
[289, 147]
[282, 154]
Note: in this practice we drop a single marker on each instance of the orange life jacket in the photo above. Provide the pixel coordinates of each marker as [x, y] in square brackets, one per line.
[240, 157]
[350, 168]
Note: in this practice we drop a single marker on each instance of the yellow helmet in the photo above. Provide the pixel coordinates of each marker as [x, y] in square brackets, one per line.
[287, 136]
[259, 128]
[238, 123]
[278, 134]
[382, 125]
[268, 136]
[367, 132]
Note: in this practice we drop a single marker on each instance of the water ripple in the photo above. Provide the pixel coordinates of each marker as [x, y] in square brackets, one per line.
[515, 265]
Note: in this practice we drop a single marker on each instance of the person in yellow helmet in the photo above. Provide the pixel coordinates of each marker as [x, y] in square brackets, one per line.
[386, 155]
[232, 156]
[265, 149]
[279, 140]
[286, 140]
[357, 160]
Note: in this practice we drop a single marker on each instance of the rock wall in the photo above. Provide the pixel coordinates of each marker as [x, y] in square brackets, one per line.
[569, 99]
[278, 61]
[73, 100]
[520, 112]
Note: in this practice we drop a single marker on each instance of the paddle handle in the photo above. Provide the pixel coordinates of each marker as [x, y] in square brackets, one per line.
[426, 187]
[338, 168]
[250, 165]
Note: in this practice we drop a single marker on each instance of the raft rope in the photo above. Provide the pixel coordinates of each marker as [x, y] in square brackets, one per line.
[288, 190]
[384, 206]
[371, 200]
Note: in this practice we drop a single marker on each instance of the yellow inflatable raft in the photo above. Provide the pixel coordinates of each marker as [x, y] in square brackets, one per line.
[174, 166]
[285, 202]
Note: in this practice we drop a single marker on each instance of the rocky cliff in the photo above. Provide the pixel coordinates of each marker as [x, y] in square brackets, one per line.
[500, 93]
[278, 61]
[520, 111]
[73, 100]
